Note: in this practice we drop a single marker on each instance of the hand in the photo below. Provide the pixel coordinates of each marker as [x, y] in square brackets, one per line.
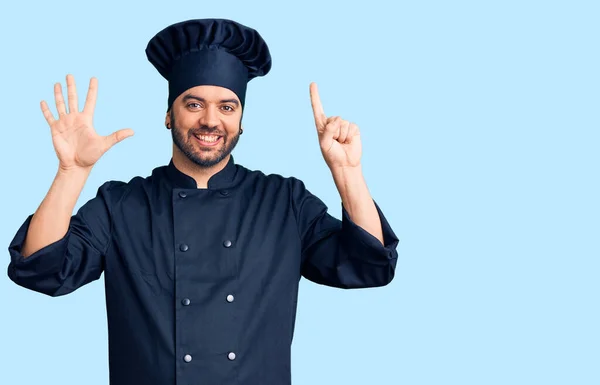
[338, 138]
[76, 143]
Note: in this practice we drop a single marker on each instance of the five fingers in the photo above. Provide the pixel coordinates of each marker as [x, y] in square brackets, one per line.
[61, 106]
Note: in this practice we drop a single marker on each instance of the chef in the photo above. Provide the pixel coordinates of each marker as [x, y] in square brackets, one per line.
[202, 257]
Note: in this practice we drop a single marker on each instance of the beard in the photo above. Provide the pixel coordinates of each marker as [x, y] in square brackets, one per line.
[188, 145]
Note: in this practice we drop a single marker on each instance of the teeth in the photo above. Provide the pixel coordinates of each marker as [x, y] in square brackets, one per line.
[208, 138]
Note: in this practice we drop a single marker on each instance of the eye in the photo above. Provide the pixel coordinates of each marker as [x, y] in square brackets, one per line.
[194, 105]
[228, 108]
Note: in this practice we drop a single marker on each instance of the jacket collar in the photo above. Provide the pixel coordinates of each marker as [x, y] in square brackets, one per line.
[222, 179]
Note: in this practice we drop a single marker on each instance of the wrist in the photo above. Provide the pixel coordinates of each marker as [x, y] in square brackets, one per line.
[350, 183]
[347, 178]
[347, 172]
[73, 174]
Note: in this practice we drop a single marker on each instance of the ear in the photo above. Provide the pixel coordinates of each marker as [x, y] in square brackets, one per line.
[168, 120]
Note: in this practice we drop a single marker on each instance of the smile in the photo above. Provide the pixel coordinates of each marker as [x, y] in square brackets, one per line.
[208, 140]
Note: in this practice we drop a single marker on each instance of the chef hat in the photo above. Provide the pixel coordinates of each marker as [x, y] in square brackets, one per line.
[215, 52]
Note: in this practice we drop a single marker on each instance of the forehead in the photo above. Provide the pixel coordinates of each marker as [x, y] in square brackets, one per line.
[209, 93]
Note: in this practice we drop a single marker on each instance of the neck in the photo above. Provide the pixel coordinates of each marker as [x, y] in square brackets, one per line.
[200, 174]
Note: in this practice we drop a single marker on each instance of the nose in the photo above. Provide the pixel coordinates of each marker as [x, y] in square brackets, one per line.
[210, 117]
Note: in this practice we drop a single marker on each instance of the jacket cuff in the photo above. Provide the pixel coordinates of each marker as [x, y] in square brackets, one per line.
[46, 261]
[362, 244]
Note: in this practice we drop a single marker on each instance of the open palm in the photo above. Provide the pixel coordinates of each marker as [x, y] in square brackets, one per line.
[76, 143]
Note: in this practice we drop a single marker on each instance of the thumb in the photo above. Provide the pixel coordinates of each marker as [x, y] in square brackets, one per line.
[117, 136]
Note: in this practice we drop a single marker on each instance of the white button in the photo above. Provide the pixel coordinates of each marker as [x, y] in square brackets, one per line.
[229, 298]
[231, 356]
[187, 358]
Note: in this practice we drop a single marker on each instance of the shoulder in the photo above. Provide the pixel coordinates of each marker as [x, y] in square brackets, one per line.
[114, 191]
[280, 188]
[272, 180]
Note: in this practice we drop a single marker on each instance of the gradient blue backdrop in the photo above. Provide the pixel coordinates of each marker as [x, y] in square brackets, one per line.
[480, 129]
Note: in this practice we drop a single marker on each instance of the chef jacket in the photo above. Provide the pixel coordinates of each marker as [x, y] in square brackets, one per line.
[202, 284]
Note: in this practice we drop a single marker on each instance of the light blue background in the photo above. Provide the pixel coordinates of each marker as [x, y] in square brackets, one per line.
[480, 129]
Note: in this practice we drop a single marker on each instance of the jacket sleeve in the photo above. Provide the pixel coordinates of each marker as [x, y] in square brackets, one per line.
[72, 261]
[339, 253]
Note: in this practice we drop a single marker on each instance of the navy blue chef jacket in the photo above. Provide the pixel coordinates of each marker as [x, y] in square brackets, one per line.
[201, 284]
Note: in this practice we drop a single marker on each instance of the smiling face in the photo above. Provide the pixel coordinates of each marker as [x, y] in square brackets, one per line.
[205, 124]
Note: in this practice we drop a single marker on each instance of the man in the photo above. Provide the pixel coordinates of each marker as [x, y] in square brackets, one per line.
[201, 259]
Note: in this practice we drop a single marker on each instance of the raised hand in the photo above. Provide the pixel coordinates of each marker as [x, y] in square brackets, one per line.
[338, 138]
[76, 143]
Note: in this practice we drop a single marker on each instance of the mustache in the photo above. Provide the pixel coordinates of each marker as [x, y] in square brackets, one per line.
[205, 130]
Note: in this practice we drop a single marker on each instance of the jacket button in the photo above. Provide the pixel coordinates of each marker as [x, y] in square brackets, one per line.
[186, 301]
[224, 192]
[182, 194]
[187, 358]
[227, 243]
[183, 247]
[231, 356]
[229, 298]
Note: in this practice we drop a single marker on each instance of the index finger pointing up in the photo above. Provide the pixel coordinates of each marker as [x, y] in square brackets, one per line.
[317, 107]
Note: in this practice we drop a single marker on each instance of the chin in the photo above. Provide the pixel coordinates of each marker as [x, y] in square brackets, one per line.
[206, 162]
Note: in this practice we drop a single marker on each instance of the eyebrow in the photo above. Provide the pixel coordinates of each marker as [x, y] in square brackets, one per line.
[190, 96]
